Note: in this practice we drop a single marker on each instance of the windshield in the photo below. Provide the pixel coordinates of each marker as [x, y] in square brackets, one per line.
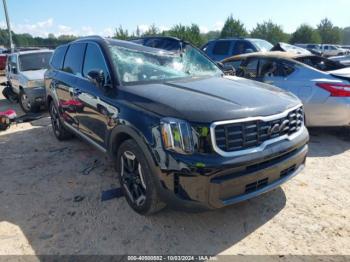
[34, 61]
[156, 65]
[262, 45]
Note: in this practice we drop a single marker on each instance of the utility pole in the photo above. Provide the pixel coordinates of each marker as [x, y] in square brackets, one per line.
[8, 24]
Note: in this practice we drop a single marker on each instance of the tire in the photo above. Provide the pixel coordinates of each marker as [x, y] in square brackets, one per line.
[26, 106]
[137, 180]
[61, 133]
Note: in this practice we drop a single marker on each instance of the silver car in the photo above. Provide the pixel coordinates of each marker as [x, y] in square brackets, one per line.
[322, 85]
[25, 75]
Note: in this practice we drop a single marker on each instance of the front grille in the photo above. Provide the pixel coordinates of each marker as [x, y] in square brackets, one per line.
[243, 135]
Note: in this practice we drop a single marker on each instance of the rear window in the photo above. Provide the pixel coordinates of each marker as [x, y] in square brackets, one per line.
[221, 48]
[74, 59]
[58, 57]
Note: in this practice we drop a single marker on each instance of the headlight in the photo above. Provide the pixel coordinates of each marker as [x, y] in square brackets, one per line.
[177, 135]
[35, 83]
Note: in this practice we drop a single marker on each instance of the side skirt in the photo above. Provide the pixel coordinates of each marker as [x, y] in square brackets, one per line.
[84, 137]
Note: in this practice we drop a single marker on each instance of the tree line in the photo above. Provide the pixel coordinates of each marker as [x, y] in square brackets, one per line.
[325, 32]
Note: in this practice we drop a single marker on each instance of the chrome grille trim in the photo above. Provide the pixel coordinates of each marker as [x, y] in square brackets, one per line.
[262, 146]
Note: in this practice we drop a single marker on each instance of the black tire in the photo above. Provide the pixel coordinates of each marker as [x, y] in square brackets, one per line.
[61, 133]
[26, 106]
[148, 201]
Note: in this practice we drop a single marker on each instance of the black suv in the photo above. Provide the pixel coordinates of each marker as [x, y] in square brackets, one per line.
[179, 131]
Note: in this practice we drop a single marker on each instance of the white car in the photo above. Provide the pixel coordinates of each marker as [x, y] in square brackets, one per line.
[344, 59]
[25, 75]
[321, 84]
[332, 50]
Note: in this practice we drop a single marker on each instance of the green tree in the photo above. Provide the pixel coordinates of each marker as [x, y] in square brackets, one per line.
[329, 33]
[191, 34]
[305, 34]
[346, 36]
[270, 32]
[233, 28]
[152, 31]
[121, 34]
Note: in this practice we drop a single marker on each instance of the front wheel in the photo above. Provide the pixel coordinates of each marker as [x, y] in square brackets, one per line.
[136, 179]
[59, 130]
[26, 105]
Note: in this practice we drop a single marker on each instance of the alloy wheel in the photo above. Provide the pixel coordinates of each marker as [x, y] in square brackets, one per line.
[55, 120]
[132, 178]
[25, 102]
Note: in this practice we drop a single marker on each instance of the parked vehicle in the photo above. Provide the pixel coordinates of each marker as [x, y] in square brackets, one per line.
[325, 49]
[180, 132]
[344, 60]
[25, 75]
[321, 84]
[333, 50]
[220, 49]
[313, 48]
[284, 47]
[3, 58]
[162, 42]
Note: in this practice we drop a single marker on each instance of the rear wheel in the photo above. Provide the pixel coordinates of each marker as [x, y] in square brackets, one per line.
[59, 130]
[136, 179]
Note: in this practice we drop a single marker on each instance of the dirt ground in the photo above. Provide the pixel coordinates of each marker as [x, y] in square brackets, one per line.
[51, 204]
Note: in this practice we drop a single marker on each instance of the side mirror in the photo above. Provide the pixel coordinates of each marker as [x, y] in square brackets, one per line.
[14, 69]
[229, 70]
[97, 77]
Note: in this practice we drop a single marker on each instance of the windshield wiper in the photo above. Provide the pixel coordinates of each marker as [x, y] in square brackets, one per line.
[32, 69]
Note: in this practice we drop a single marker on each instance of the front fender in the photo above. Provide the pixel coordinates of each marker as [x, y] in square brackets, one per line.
[123, 132]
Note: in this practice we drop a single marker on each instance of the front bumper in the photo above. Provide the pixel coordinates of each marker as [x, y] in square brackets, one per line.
[36, 95]
[220, 181]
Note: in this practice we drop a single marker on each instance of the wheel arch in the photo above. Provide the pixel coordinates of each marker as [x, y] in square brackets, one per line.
[123, 133]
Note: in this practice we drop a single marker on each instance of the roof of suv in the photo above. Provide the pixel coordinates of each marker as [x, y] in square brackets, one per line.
[234, 39]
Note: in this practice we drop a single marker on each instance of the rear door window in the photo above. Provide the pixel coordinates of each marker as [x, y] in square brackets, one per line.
[74, 59]
[58, 57]
[221, 48]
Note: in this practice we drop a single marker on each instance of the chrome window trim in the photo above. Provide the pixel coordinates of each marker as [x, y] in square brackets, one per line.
[263, 145]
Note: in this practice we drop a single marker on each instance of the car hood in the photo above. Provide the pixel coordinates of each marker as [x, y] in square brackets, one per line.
[34, 74]
[211, 99]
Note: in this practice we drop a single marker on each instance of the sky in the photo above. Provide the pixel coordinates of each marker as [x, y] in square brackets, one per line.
[86, 17]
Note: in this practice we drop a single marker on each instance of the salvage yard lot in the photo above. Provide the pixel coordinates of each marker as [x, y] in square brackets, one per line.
[50, 203]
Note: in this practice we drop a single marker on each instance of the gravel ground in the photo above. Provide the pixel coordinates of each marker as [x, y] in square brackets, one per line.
[51, 204]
